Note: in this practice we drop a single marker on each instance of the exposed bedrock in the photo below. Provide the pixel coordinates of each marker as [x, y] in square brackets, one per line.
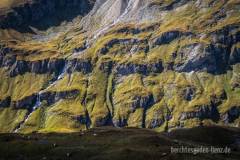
[231, 115]
[124, 110]
[5, 103]
[168, 37]
[53, 97]
[234, 56]
[145, 69]
[40, 67]
[213, 59]
[203, 112]
[51, 66]
[157, 118]
[30, 101]
[113, 11]
[128, 45]
[78, 65]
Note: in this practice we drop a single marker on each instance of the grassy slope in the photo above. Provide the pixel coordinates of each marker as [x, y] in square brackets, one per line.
[198, 21]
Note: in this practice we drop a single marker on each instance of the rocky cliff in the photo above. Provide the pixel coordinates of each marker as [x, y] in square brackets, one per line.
[70, 65]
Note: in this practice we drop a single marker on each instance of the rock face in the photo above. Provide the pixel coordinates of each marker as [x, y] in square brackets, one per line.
[29, 102]
[52, 66]
[203, 112]
[126, 69]
[231, 115]
[75, 64]
[39, 67]
[167, 37]
[5, 103]
[110, 12]
[53, 97]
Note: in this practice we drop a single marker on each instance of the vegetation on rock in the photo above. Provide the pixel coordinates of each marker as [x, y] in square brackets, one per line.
[159, 64]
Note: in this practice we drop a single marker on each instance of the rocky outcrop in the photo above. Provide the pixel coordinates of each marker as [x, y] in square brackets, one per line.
[144, 102]
[234, 56]
[51, 66]
[5, 103]
[4, 50]
[158, 122]
[84, 119]
[53, 97]
[145, 69]
[102, 121]
[155, 123]
[136, 30]
[225, 35]
[39, 67]
[189, 93]
[158, 119]
[107, 66]
[6, 61]
[231, 115]
[198, 57]
[129, 107]
[30, 101]
[166, 38]
[119, 11]
[203, 112]
[215, 57]
[79, 65]
[120, 122]
[217, 100]
[123, 42]
[25, 103]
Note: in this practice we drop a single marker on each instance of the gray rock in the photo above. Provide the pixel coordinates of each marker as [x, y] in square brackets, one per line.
[131, 68]
[231, 115]
[40, 67]
[189, 93]
[203, 112]
[53, 97]
[79, 65]
[26, 103]
[51, 66]
[5, 103]
[166, 38]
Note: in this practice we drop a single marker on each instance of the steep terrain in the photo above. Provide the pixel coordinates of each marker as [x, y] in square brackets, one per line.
[161, 64]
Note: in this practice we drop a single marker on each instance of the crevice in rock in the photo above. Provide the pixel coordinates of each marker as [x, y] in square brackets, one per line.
[84, 104]
[203, 112]
[109, 94]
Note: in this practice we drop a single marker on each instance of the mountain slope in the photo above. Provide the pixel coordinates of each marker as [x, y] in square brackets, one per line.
[159, 64]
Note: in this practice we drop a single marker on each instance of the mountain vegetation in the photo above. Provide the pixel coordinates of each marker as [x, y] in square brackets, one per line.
[70, 65]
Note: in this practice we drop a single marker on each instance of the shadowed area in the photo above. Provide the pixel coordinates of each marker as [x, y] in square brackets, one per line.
[40, 14]
[118, 144]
